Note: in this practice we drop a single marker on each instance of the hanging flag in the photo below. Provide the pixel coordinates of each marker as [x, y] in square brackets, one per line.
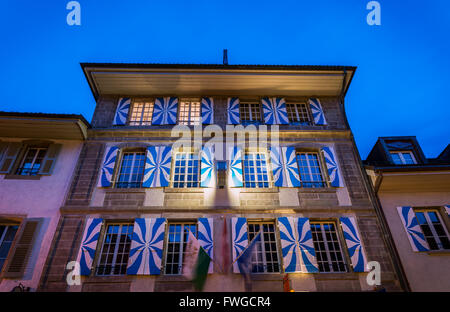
[244, 261]
[196, 262]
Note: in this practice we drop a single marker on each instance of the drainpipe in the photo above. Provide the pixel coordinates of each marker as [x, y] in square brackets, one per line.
[386, 233]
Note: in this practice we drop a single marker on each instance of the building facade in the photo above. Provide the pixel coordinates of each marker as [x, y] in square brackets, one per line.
[414, 192]
[226, 152]
[38, 155]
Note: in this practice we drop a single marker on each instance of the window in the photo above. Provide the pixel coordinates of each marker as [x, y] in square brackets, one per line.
[131, 170]
[186, 170]
[435, 233]
[265, 257]
[32, 161]
[255, 170]
[403, 158]
[310, 170]
[177, 238]
[326, 244]
[250, 112]
[7, 234]
[298, 113]
[115, 249]
[221, 173]
[189, 112]
[141, 113]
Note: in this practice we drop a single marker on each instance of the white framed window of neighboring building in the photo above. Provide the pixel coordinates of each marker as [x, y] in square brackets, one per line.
[7, 234]
[310, 169]
[433, 229]
[327, 246]
[131, 170]
[265, 255]
[32, 161]
[403, 158]
[113, 258]
[250, 112]
[298, 113]
[256, 171]
[186, 169]
[189, 112]
[176, 241]
[141, 113]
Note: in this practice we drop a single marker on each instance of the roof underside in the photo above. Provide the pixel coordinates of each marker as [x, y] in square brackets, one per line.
[185, 79]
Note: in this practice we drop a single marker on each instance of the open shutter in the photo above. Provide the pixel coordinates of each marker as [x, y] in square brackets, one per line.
[306, 246]
[208, 171]
[447, 209]
[317, 111]
[412, 228]
[289, 247]
[276, 162]
[123, 106]
[233, 111]
[235, 171]
[157, 166]
[146, 246]
[50, 159]
[274, 111]
[207, 110]
[354, 245]
[22, 250]
[239, 239]
[9, 157]
[334, 173]
[284, 166]
[107, 170]
[165, 111]
[205, 238]
[89, 244]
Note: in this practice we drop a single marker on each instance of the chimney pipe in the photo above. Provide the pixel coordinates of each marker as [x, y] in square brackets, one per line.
[225, 57]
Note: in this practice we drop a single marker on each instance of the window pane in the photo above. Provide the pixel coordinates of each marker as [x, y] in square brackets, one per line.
[326, 245]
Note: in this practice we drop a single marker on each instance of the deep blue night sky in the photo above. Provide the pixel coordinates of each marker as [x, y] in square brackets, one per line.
[399, 87]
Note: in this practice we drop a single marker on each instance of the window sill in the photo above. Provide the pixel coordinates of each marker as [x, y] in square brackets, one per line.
[183, 190]
[439, 252]
[259, 190]
[171, 278]
[317, 190]
[22, 177]
[125, 190]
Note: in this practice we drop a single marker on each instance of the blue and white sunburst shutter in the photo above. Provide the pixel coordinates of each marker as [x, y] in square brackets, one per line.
[146, 246]
[412, 228]
[276, 162]
[233, 115]
[317, 111]
[158, 162]
[165, 111]
[208, 170]
[239, 239]
[235, 170]
[107, 169]
[331, 162]
[284, 166]
[89, 245]
[289, 245]
[306, 246]
[274, 111]
[205, 230]
[123, 107]
[447, 209]
[354, 245]
[207, 110]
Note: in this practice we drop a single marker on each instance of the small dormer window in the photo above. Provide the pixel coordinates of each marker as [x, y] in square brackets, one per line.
[403, 158]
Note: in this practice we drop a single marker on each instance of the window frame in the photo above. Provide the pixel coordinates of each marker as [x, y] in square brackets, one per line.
[249, 112]
[144, 101]
[270, 182]
[23, 157]
[276, 233]
[189, 122]
[13, 242]
[295, 104]
[402, 159]
[436, 237]
[186, 166]
[323, 172]
[118, 167]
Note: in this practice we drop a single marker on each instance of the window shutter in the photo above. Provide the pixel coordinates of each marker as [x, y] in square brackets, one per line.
[22, 250]
[317, 111]
[235, 171]
[412, 228]
[207, 110]
[284, 166]
[50, 159]
[233, 111]
[334, 173]
[123, 106]
[157, 166]
[306, 246]
[107, 170]
[239, 238]
[89, 245]
[447, 209]
[208, 170]
[9, 157]
[289, 247]
[205, 238]
[165, 111]
[276, 162]
[274, 111]
[354, 244]
[146, 246]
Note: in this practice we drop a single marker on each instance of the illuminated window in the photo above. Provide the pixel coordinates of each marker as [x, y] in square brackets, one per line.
[310, 170]
[255, 170]
[326, 244]
[298, 113]
[141, 114]
[131, 170]
[186, 170]
[433, 229]
[265, 254]
[189, 112]
[32, 161]
[403, 158]
[250, 112]
[177, 238]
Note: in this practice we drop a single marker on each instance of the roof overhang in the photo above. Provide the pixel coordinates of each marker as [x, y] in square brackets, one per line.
[42, 126]
[196, 79]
